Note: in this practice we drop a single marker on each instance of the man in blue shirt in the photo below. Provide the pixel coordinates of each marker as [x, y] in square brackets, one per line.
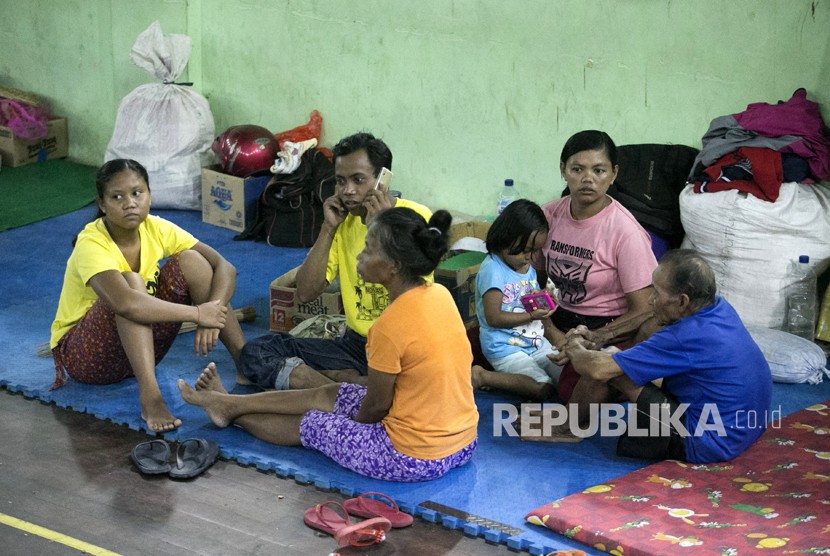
[716, 386]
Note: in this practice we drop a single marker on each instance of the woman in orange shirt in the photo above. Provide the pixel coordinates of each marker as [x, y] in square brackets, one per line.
[416, 419]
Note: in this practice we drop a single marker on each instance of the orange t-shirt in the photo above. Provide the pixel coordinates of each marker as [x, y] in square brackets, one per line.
[420, 337]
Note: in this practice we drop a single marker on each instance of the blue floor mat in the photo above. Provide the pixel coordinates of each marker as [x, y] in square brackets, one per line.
[488, 497]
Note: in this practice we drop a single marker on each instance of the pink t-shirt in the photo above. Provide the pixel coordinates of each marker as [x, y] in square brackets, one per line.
[596, 261]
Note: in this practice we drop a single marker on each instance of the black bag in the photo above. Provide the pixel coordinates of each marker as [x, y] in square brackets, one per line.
[290, 209]
[649, 183]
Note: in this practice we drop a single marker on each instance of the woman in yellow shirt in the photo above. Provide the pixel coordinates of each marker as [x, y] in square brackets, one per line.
[119, 312]
[416, 419]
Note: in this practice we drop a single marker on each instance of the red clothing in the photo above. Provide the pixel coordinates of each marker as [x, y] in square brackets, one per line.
[765, 166]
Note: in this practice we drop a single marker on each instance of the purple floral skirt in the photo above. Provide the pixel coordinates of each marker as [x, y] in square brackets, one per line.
[366, 448]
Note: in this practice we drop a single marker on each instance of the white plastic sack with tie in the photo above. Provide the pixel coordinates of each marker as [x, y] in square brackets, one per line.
[166, 127]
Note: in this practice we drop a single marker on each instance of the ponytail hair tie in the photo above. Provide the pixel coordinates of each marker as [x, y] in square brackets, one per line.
[434, 229]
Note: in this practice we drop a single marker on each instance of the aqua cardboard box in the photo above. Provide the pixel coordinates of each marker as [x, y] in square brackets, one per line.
[230, 201]
[287, 312]
[458, 272]
[16, 151]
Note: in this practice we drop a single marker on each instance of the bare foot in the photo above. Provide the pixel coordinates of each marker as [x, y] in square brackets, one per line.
[477, 374]
[556, 434]
[210, 380]
[209, 400]
[157, 416]
[561, 437]
[242, 379]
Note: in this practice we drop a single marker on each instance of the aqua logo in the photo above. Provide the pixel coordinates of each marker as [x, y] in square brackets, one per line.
[221, 193]
[222, 204]
[222, 197]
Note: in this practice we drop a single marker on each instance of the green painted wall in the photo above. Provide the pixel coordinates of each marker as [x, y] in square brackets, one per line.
[466, 92]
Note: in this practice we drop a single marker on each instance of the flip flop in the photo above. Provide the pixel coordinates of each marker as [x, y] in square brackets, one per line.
[193, 456]
[364, 506]
[345, 532]
[151, 458]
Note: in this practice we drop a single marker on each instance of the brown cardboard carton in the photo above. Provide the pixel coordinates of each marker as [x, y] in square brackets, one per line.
[286, 312]
[229, 201]
[16, 151]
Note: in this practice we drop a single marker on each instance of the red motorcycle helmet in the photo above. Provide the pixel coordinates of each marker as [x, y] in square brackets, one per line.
[245, 149]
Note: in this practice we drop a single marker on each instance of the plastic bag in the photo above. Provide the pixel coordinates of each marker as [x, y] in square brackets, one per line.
[311, 130]
[166, 127]
[791, 359]
[26, 121]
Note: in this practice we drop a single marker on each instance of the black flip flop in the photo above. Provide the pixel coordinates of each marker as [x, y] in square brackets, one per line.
[193, 457]
[151, 458]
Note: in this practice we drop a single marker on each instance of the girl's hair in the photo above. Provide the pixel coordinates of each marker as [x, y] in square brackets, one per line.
[518, 222]
[408, 240]
[589, 140]
[110, 169]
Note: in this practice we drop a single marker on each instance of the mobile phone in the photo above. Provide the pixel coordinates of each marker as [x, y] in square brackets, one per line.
[538, 300]
[384, 179]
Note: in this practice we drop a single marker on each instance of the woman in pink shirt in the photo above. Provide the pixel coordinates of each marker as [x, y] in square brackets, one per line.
[597, 254]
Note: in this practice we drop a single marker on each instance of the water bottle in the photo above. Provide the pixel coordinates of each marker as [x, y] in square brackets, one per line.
[506, 196]
[801, 299]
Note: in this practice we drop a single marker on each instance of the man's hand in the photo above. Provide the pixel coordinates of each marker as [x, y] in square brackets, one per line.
[334, 211]
[591, 339]
[376, 201]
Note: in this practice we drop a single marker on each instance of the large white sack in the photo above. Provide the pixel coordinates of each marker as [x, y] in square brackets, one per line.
[750, 243]
[168, 128]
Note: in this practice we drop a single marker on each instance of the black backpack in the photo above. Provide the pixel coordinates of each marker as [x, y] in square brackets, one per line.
[290, 209]
[649, 183]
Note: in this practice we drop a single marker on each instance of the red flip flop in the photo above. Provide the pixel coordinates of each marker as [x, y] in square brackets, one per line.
[345, 533]
[364, 506]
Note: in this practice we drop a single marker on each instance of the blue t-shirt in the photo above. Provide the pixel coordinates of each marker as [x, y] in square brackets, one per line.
[709, 361]
[501, 342]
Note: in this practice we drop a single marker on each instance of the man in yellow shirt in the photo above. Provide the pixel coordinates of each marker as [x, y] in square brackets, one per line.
[281, 361]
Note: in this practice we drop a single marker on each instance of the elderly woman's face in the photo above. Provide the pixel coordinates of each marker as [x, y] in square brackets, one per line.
[372, 263]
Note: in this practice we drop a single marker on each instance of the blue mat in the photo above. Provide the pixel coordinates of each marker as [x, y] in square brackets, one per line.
[489, 497]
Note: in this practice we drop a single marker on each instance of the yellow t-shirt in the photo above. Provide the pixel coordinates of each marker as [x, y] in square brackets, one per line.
[96, 252]
[363, 302]
[421, 338]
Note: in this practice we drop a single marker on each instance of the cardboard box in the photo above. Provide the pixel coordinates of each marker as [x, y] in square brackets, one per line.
[458, 272]
[229, 201]
[16, 151]
[286, 312]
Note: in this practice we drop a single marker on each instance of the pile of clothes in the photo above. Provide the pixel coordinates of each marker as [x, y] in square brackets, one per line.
[764, 146]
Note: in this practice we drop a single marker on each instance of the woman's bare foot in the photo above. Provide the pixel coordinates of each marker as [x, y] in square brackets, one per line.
[210, 380]
[157, 416]
[209, 400]
[561, 433]
[478, 377]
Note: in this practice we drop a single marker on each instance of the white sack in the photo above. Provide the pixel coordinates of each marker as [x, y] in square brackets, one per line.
[168, 128]
[750, 243]
[791, 358]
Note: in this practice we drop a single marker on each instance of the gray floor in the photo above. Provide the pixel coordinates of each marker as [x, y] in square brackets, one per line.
[71, 473]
